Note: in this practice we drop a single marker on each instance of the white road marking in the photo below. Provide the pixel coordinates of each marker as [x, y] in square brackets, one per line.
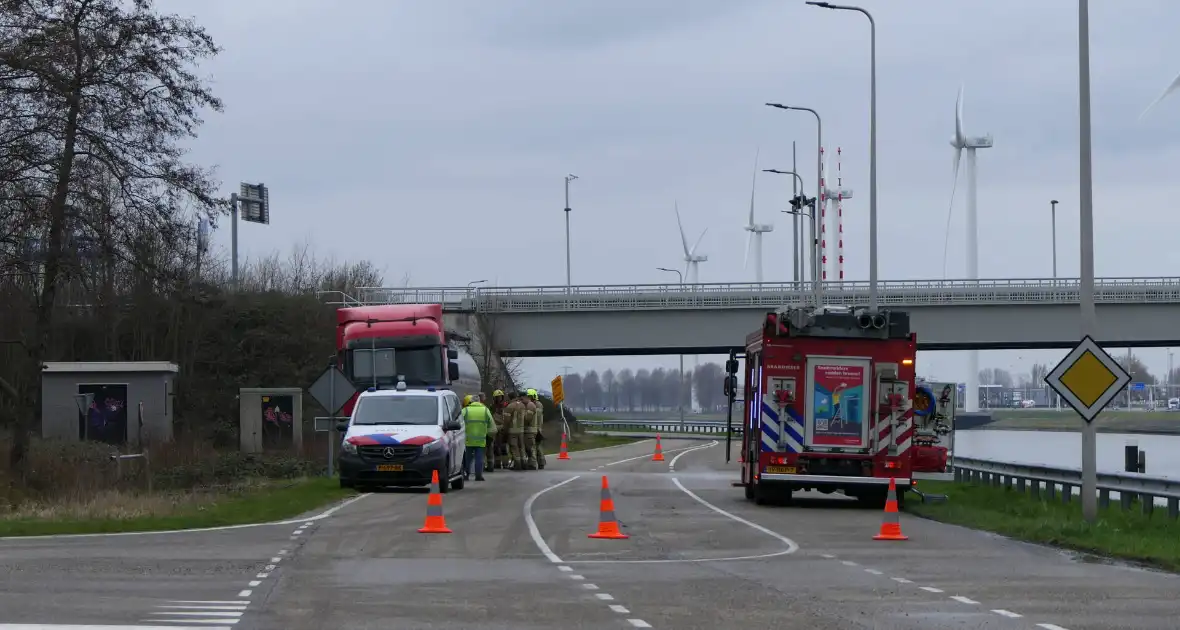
[791, 545]
[245, 593]
[590, 587]
[276, 559]
[262, 576]
[254, 583]
[963, 600]
[604, 596]
[270, 567]
[902, 580]
[209, 621]
[203, 607]
[54, 626]
[874, 572]
[1007, 613]
[931, 589]
[325, 514]
[848, 563]
[620, 609]
[236, 602]
[649, 455]
[212, 614]
[639, 623]
[672, 464]
[565, 568]
[535, 533]
[576, 577]
[1050, 626]
[827, 555]
[282, 552]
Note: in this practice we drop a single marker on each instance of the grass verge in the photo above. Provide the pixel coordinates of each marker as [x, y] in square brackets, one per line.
[1127, 535]
[253, 501]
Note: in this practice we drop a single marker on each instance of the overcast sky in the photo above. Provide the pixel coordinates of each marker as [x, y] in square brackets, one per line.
[378, 124]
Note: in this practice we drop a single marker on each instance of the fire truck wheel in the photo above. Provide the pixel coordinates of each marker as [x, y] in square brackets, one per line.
[874, 499]
[749, 492]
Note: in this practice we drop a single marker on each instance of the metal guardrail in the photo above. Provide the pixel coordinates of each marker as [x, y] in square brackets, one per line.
[1131, 487]
[662, 427]
[771, 294]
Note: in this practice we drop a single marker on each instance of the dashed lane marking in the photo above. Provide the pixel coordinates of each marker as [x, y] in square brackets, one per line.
[1007, 613]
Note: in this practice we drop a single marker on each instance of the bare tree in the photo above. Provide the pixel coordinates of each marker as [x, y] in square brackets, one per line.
[495, 370]
[96, 93]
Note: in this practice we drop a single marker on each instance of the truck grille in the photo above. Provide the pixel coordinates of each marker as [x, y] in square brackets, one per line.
[396, 454]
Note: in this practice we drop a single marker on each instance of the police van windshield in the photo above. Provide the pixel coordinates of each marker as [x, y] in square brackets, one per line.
[417, 410]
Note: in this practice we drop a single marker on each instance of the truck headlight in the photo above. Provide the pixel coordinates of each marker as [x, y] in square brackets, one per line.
[348, 447]
[431, 447]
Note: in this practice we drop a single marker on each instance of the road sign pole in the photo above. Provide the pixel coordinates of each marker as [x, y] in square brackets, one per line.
[332, 430]
[1086, 237]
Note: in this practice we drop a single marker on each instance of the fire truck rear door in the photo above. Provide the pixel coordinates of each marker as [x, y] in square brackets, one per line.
[838, 400]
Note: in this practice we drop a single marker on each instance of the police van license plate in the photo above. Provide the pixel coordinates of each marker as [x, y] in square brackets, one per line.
[780, 470]
[389, 467]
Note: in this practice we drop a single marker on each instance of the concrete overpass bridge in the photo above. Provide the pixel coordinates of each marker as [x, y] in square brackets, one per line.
[714, 318]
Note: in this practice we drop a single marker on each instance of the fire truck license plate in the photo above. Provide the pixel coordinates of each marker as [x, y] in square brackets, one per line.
[781, 470]
[389, 468]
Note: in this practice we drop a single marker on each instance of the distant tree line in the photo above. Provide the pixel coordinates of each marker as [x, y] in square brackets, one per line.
[658, 389]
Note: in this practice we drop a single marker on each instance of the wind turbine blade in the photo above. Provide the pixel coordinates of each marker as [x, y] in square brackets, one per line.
[683, 238]
[693, 251]
[749, 241]
[1171, 88]
[946, 239]
[960, 136]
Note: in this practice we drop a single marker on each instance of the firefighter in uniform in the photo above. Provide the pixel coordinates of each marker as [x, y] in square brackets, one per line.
[516, 417]
[530, 430]
[498, 447]
[538, 422]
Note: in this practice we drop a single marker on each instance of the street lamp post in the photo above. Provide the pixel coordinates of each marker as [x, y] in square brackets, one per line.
[1053, 221]
[797, 181]
[568, 283]
[872, 144]
[816, 263]
[680, 385]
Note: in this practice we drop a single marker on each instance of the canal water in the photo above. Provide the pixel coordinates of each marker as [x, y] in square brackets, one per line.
[1064, 449]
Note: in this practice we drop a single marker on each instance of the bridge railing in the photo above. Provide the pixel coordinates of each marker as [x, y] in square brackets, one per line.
[1053, 482]
[773, 294]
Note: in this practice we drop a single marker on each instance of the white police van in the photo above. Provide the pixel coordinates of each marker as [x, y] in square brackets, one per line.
[399, 437]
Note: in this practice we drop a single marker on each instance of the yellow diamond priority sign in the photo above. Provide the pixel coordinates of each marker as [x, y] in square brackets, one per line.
[1088, 378]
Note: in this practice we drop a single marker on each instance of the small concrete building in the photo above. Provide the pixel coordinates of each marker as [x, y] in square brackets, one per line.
[271, 418]
[113, 392]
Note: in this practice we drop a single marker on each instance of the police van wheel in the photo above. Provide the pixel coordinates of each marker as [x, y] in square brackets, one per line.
[458, 483]
[347, 483]
[444, 480]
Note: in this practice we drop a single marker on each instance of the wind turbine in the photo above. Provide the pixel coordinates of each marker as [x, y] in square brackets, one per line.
[962, 142]
[756, 230]
[1172, 87]
[692, 260]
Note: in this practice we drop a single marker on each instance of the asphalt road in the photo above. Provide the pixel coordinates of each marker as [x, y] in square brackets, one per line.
[699, 557]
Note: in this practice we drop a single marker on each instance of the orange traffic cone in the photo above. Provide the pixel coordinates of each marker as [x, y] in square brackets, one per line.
[435, 523]
[608, 527]
[891, 525]
[564, 454]
[659, 456]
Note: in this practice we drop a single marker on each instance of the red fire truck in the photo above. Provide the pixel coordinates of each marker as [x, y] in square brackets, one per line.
[378, 345]
[828, 404]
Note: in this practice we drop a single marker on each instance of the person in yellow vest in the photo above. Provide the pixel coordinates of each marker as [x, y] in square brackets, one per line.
[479, 424]
[535, 429]
[515, 421]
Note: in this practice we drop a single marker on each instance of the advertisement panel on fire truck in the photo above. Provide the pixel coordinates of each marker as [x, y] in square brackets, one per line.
[838, 408]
